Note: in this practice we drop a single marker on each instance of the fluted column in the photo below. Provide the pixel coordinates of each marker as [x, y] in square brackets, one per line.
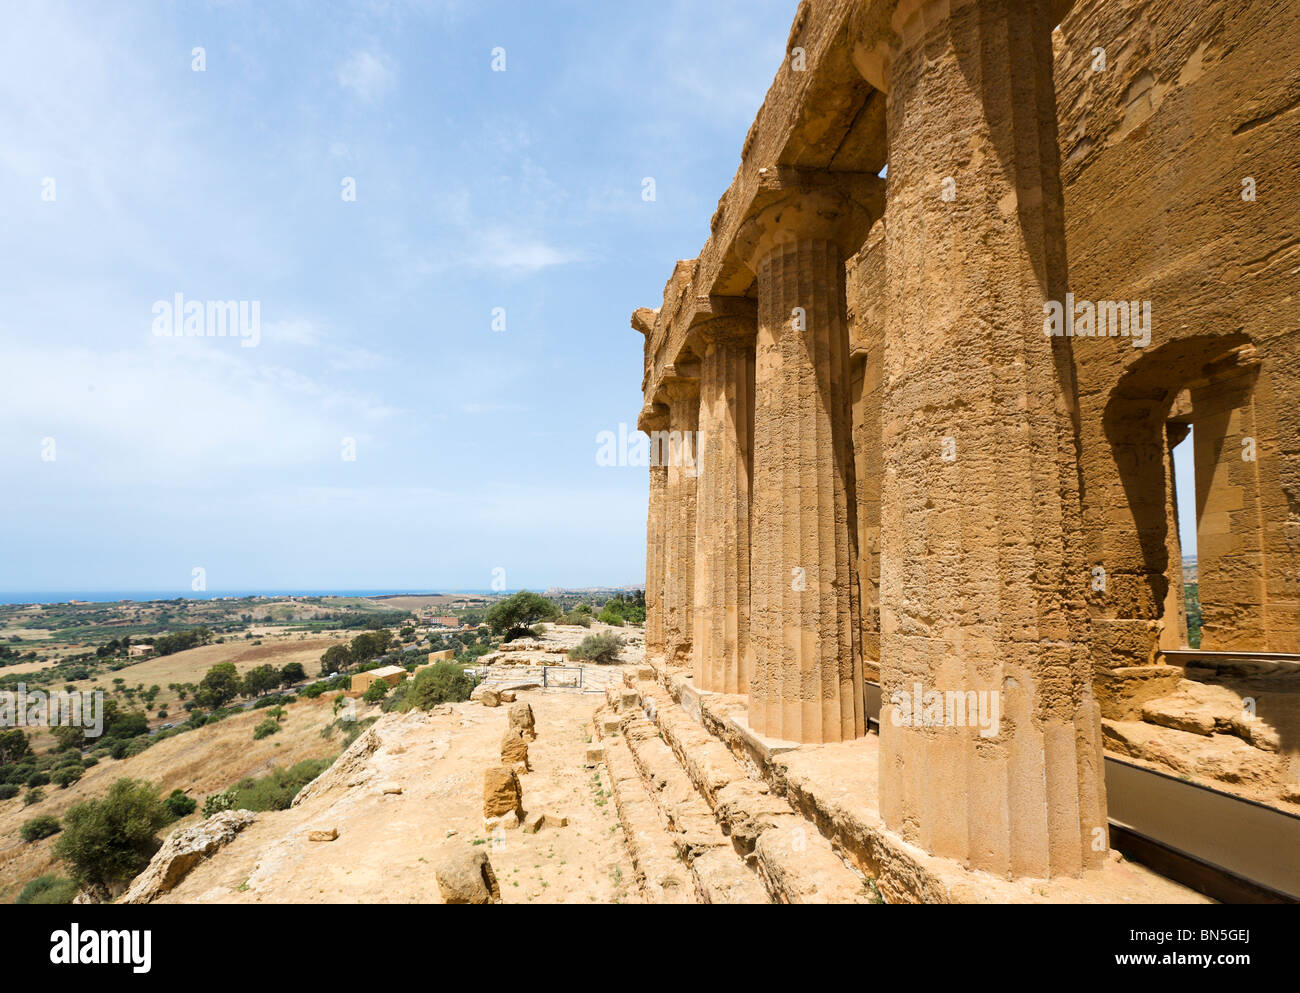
[982, 574]
[655, 422]
[683, 396]
[806, 669]
[721, 636]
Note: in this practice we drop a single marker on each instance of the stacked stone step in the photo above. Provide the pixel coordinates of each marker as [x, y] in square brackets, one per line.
[795, 862]
[660, 876]
[631, 745]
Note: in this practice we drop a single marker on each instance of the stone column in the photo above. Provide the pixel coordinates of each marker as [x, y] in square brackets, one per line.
[1230, 553]
[1173, 630]
[683, 397]
[983, 574]
[721, 636]
[654, 422]
[806, 673]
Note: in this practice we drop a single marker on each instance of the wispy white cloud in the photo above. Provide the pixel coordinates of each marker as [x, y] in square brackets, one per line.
[369, 74]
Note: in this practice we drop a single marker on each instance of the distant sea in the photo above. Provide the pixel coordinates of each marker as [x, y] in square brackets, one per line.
[112, 596]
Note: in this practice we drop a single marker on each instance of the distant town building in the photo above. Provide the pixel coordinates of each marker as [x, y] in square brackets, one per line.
[135, 651]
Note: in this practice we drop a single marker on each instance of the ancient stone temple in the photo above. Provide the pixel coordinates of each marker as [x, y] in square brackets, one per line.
[983, 265]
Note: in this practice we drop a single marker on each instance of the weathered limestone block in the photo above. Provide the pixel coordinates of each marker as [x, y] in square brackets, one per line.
[982, 562]
[501, 792]
[521, 720]
[465, 876]
[721, 630]
[514, 749]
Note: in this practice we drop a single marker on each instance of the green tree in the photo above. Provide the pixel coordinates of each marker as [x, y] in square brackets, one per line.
[292, 673]
[376, 691]
[514, 615]
[107, 841]
[13, 746]
[336, 659]
[221, 685]
[260, 680]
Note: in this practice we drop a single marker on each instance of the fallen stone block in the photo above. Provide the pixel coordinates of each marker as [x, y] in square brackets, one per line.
[501, 793]
[322, 834]
[534, 823]
[521, 720]
[465, 876]
[595, 755]
[390, 789]
[514, 750]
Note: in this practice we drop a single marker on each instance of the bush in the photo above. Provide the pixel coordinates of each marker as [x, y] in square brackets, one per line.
[39, 827]
[376, 691]
[611, 616]
[267, 728]
[38, 779]
[33, 796]
[601, 648]
[579, 617]
[274, 791]
[66, 775]
[179, 804]
[8, 791]
[107, 841]
[48, 889]
[442, 682]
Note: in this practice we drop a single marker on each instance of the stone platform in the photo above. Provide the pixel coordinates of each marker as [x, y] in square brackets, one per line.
[834, 786]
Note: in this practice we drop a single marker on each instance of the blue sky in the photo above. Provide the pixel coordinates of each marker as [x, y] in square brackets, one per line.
[522, 189]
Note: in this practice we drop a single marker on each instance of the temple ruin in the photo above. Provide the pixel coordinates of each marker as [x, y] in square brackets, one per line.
[982, 266]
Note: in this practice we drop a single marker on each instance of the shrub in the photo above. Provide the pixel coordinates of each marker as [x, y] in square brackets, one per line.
[33, 796]
[611, 616]
[107, 841]
[217, 802]
[376, 691]
[39, 827]
[67, 775]
[274, 791]
[601, 648]
[38, 779]
[48, 889]
[267, 728]
[8, 791]
[179, 804]
[442, 682]
[579, 617]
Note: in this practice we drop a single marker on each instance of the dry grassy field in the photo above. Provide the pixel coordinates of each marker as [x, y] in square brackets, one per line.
[199, 762]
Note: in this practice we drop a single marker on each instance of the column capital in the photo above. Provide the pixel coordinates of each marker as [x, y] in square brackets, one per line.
[883, 29]
[653, 417]
[643, 320]
[794, 204]
[721, 320]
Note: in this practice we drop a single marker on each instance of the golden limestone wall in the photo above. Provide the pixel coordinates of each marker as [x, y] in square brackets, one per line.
[1191, 110]
[902, 479]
